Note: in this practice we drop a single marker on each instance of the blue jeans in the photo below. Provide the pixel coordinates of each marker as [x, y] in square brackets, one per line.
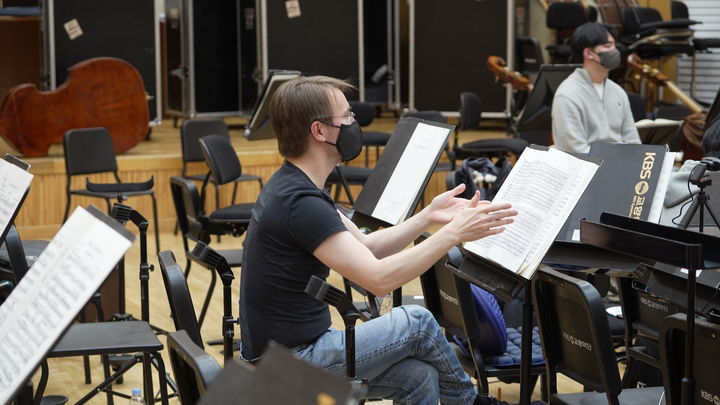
[403, 354]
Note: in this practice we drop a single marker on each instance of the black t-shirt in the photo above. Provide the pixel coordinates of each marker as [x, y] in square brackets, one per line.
[289, 221]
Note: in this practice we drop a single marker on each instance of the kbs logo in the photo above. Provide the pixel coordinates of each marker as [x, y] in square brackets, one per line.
[709, 397]
[642, 186]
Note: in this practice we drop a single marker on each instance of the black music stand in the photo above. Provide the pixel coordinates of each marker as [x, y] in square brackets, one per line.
[651, 242]
[507, 285]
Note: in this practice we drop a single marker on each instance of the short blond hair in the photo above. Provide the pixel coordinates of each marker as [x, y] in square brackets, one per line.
[294, 107]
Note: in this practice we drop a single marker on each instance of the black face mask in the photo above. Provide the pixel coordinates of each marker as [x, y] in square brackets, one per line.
[349, 141]
[610, 60]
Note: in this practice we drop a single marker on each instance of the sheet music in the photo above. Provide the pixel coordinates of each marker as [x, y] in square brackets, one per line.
[54, 290]
[664, 178]
[14, 182]
[408, 176]
[544, 187]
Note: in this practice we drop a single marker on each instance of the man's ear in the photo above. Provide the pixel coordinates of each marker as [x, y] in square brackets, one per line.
[317, 131]
[587, 53]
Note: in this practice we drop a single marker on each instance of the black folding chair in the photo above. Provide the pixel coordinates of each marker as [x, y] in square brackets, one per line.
[576, 341]
[197, 226]
[193, 368]
[450, 300]
[190, 133]
[90, 151]
[706, 357]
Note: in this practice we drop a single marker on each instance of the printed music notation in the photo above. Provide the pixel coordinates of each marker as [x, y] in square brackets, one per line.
[54, 290]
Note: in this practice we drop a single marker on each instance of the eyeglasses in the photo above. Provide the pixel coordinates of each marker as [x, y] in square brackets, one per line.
[350, 116]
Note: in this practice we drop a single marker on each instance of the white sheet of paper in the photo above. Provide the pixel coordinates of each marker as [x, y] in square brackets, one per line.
[409, 174]
[543, 187]
[14, 181]
[664, 178]
[54, 290]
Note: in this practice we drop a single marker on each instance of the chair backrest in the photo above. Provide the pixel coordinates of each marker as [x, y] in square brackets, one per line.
[470, 111]
[364, 113]
[529, 56]
[562, 16]
[634, 18]
[575, 333]
[450, 300]
[186, 199]
[181, 305]
[637, 105]
[88, 150]
[427, 115]
[441, 297]
[16, 254]
[705, 360]
[194, 370]
[192, 130]
[220, 156]
[679, 10]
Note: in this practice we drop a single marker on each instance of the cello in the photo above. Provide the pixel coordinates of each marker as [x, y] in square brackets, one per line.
[98, 92]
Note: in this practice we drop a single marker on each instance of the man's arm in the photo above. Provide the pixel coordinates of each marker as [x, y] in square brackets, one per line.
[567, 126]
[391, 240]
[346, 254]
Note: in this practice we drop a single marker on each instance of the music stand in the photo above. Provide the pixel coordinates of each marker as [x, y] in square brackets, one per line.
[647, 241]
[259, 126]
[535, 121]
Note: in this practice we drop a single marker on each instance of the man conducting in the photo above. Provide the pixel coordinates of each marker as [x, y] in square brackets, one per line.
[296, 232]
[588, 107]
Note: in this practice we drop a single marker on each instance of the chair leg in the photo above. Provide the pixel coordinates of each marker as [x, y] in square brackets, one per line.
[234, 194]
[217, 203]
[206, 304]
[188, 263]
[109, 207]
[67, 206]
[156, 224]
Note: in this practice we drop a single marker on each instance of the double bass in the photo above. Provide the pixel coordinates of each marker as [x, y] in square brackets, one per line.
[98, 92]
[693, 124]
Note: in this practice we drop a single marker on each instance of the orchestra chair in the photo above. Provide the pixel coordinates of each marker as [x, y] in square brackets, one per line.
[364, 115]
[179, 298]
[481, 327]
[470, 116]
[343, 176]
[100, 338]
[196, 226]
[646, 34]
[90, 151]
[190, 132]
[643, 315]
[576, 341]
[564, 18]
[706, 357]
[193, 368]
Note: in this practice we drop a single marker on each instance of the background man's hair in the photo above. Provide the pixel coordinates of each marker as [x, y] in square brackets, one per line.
[294, 107]
[588, 35]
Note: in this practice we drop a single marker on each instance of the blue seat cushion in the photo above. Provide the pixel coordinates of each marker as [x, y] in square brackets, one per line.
[511, 357]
